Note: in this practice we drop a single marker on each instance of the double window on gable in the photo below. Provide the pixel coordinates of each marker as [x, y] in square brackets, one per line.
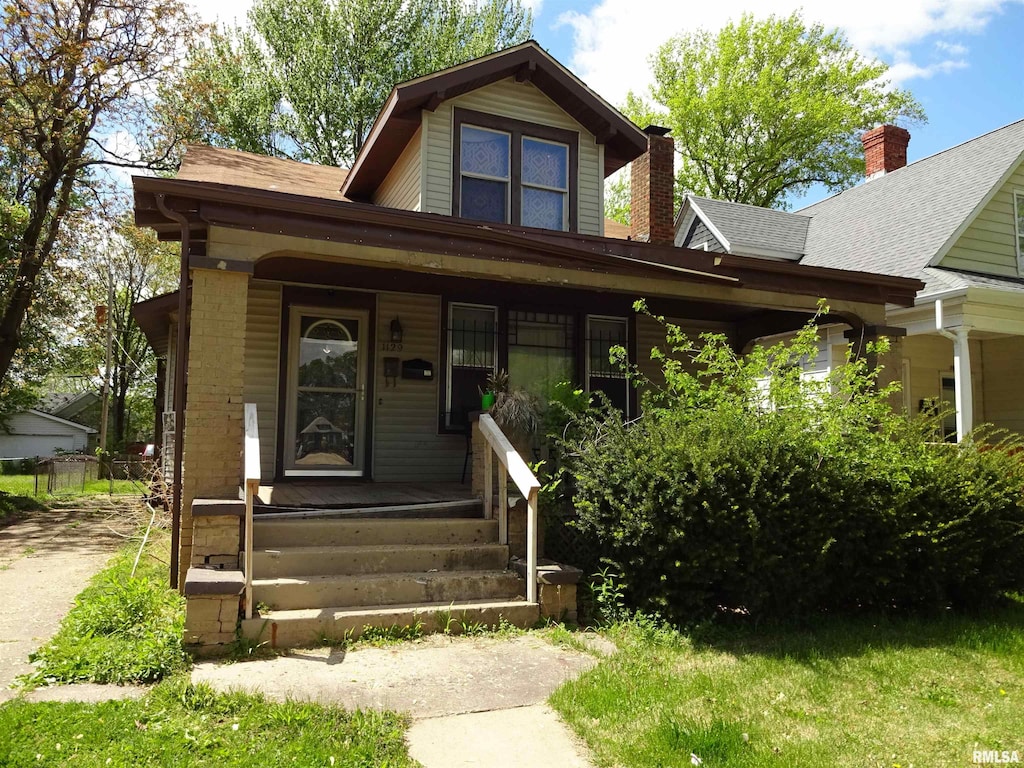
[1018, 214]
[510, 172]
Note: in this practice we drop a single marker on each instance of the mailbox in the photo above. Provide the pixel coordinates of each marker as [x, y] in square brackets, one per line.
[417, 369]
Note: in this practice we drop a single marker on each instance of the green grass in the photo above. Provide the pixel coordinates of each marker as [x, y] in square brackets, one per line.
[25, 485]
[853, 693]
[120, 629]
[178, 724]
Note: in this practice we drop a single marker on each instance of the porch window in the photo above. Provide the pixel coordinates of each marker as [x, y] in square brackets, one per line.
[472, 355]
[947, 398]
[541, 351]
[603, 333]
[510, 171]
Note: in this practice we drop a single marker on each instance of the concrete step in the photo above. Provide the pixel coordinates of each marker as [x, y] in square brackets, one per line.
[276, 534]
[469, 508]
[381, 558]
[370, 590]
[296, 628]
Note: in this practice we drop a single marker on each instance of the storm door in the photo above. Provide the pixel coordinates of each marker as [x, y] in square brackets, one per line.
[325, 420]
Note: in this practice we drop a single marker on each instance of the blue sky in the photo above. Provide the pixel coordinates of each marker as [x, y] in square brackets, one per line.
[962, 59]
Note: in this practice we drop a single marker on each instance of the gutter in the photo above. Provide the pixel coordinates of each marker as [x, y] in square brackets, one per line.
[181, 351]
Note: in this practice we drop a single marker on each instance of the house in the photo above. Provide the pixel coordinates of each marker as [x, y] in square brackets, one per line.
[955, 221]
[34, 432]
[357, 312]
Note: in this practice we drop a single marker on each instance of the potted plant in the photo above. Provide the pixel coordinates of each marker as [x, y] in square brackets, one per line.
[496, 382]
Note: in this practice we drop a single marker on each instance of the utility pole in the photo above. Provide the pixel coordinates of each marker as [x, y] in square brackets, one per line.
[110, 351]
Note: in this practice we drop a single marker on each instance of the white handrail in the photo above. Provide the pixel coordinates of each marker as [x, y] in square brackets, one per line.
[251, 479]
[512, 465]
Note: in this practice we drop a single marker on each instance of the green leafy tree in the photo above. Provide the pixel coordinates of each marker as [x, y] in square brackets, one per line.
[71, 72]
[306, 78]
[764, 109]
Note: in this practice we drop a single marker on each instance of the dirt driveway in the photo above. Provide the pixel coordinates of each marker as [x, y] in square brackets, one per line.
[45, 560]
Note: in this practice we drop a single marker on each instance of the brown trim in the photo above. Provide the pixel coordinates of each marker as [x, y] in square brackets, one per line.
[397, 122]
[302, 216]
[328, 299]
[517, 130]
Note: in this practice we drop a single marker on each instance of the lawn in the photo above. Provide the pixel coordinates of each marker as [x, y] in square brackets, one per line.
[184, 725]
[857, 693]
[25, 485]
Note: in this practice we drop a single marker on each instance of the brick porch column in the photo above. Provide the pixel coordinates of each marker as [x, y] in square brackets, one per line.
[213, 410]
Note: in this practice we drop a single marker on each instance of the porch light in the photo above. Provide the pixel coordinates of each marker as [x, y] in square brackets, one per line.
[396, 331]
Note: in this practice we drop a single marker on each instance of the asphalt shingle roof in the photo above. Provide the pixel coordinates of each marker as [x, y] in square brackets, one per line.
[896, 223]
[750, 226]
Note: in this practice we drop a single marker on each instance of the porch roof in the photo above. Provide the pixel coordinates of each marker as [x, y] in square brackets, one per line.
[237, 190]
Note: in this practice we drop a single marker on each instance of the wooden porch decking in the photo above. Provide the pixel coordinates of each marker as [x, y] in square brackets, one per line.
[351, 494]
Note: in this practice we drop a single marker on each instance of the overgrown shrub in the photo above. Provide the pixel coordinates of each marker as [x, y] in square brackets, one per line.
[745, 487]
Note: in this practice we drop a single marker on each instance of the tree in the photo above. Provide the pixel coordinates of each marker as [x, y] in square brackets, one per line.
[71, 73]
[765, 109]
[306, 78]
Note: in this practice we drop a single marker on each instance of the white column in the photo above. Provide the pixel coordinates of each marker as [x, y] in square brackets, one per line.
[964, 389]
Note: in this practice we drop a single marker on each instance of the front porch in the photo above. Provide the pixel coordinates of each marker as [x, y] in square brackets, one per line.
[360, 496]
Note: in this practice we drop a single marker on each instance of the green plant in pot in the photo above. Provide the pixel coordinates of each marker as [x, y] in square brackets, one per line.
[496, 382]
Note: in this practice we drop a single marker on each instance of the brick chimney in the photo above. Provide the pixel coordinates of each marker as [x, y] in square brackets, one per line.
[885, 150]
[652, 178]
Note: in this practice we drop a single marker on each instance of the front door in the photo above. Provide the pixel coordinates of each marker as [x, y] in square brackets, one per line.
[325, 421]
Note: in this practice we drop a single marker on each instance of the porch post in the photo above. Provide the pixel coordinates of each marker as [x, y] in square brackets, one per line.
[964, 388]
[214, 410]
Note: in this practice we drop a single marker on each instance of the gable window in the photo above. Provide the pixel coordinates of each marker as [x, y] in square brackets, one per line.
[1018, 213]
[512, 172]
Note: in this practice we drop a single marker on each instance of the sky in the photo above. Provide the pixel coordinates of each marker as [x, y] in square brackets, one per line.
[962, 59]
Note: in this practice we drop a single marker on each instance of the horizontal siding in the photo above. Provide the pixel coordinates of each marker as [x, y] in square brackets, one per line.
[401, 187]
[1003, 360]
[931, 358]
[702, 235]
[988, 245]
[650, 334]
[521, 101]
[262, 350]
[29, 446]
[406, 443]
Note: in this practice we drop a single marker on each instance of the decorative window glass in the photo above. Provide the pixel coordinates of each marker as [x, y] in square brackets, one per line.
[472, 353]
[545, 184]
[485, 164]
[604, 333]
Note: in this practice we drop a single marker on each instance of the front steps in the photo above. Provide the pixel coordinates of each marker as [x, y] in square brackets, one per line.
[328, 577]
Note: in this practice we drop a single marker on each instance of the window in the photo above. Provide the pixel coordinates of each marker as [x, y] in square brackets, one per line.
[1018, 212]
[472, 354]
[508, 171]
[603, 333]
[947, 401]
[541, 351]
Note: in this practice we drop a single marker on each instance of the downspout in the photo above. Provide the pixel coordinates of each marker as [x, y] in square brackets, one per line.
[961, 373]
[181, 351]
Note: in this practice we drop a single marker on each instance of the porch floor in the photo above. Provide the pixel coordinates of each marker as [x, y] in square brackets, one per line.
[351, 494]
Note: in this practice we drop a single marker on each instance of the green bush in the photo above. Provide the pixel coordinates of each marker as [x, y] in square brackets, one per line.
[746, 488]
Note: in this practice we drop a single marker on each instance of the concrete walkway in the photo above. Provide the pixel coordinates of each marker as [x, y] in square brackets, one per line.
[45, 561]
[474, 700]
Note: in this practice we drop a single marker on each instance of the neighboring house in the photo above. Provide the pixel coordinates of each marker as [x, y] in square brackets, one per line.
[35, 433]
[360, 310]
[954, 220]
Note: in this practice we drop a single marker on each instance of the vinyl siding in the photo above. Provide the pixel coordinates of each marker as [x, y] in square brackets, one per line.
[988, 245]
[33, 435]
[931, 358]
[650, 334]
[406, 443]
[701, 235]
[262, 349]
[521, 101]
[401, 187]
[1003, 361]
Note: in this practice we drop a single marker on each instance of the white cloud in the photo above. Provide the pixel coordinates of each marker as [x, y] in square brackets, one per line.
[614, 40]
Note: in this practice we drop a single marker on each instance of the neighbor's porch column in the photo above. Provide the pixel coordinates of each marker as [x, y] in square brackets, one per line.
[214, 410]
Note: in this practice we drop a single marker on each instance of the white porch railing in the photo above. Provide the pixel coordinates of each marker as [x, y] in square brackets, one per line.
[511, 464]
[251, 483]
